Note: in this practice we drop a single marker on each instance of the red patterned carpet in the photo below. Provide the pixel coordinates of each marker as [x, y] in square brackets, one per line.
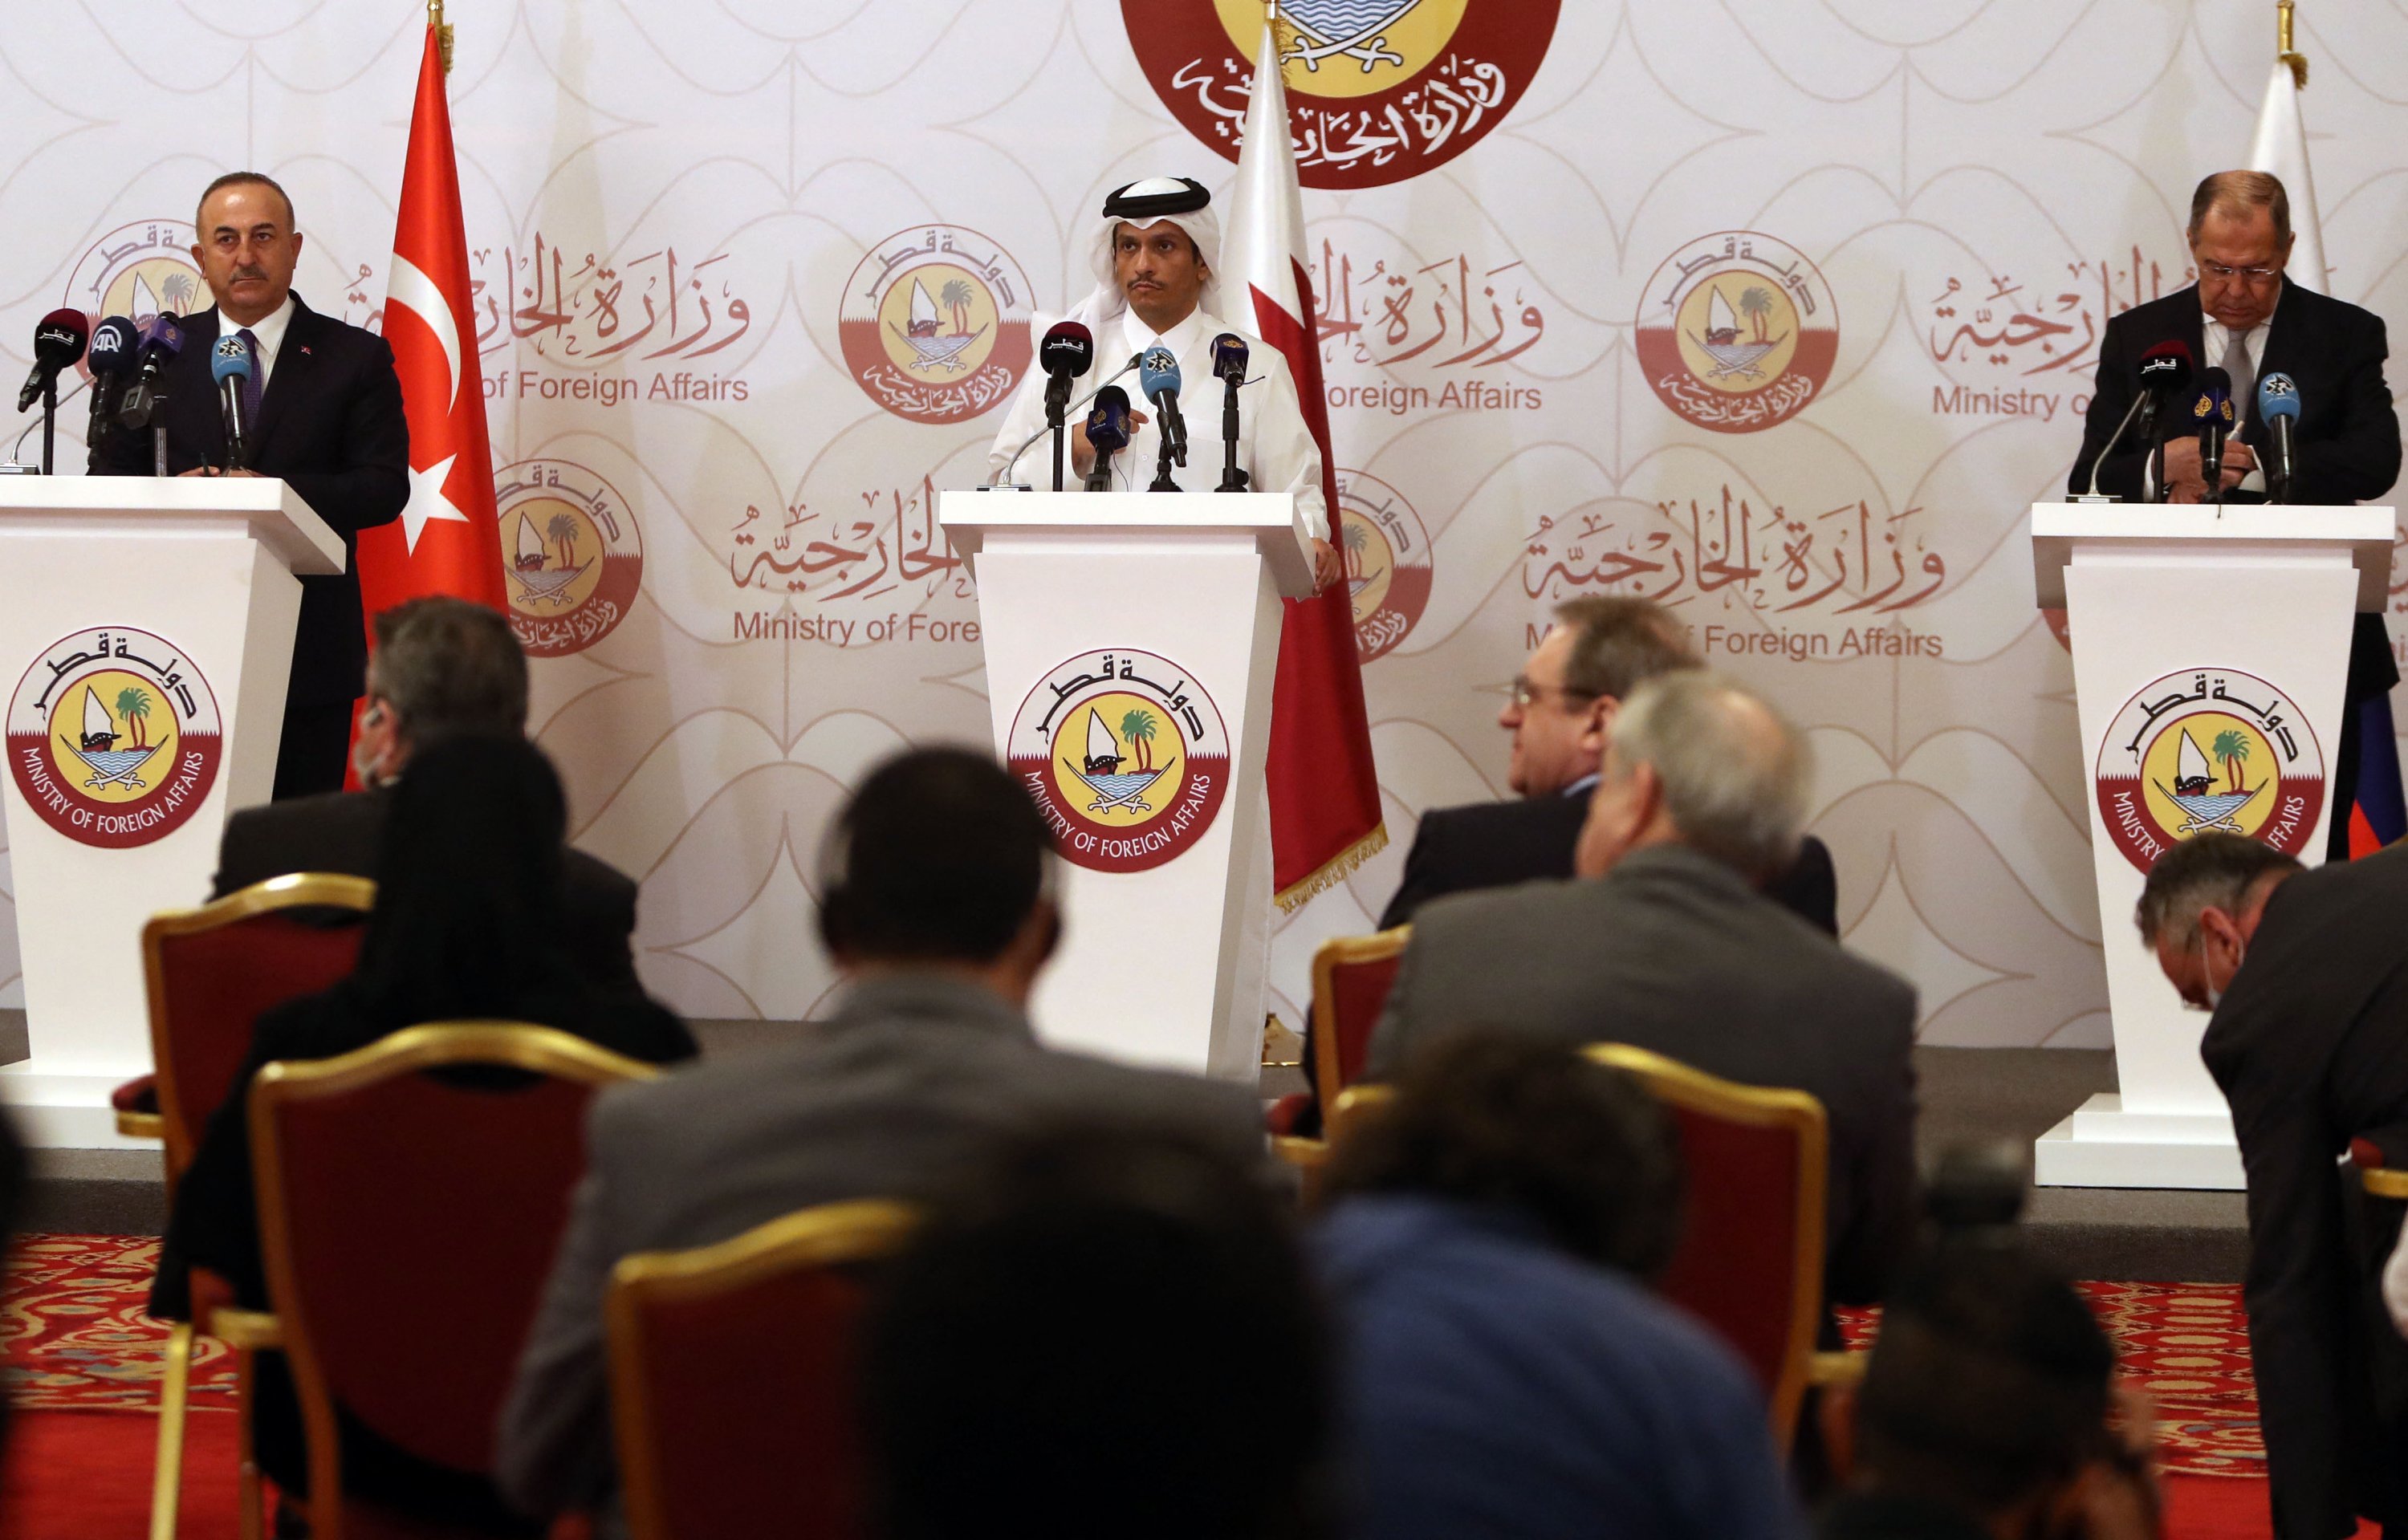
[80, 1356]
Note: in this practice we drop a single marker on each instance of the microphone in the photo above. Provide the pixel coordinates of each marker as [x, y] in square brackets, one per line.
[162, 340]
[2278, 407]
[1108, 429]
[113, 345]
[58, 342]
[1066, 353]
[1003, 477]
[230, 370]
[2163, 374]
[1229, 365]
[2212, 412]
[1157, 376]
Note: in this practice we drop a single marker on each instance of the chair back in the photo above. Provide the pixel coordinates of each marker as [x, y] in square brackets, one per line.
[210, 971]
[732, 1378]
[1352, 975]
[1749, 1261]
[408, 1221]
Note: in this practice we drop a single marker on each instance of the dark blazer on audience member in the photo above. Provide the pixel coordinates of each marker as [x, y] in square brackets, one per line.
[1499, 843]
[1674, 951]
[338, 832]
[2310, 1046]
[886, 1098]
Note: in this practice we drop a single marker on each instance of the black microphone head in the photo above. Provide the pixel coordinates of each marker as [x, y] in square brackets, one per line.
[1108, 420]
[162, 338]
[114, 342]
[2214, 401]
[2166, 367]
[60, 339]
[1067, 351]
[1229, 358]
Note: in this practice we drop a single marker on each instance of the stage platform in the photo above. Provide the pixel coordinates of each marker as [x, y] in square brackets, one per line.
[1968, 1094]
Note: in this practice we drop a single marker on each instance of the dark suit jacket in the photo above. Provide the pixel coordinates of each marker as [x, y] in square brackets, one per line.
[331, 425]
[338, 832]
[2347, 439]
[2310, 1046]
[890, 1097]
[1499, 843]
[1673, 951]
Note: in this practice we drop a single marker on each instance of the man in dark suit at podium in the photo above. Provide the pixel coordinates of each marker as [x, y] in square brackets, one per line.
[2245, 317]
[324, 415]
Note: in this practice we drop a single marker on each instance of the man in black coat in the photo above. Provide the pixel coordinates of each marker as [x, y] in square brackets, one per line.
[2308, 981]
[443, 667]
[1599, 650]
[2245, 317]
[328, 420]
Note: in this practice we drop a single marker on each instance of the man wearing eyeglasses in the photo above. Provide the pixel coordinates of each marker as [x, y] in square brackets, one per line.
[2245, 317]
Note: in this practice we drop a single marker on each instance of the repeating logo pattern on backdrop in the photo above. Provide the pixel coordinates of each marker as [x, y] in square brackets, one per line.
[1387, 555]
[934, 324]
[114, 738]
[572, 560]
[1378, 91]
[2209, 749]
[1126, 756]
[1737, 330]
[140, 269]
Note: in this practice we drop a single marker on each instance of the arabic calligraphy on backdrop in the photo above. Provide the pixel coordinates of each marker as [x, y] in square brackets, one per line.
[1830, 583]
[596, 309]
[1989, 330]
[1737, 330]
[1378, 91]
[1453, 313]
[849, 577]
[572, 558]
[934, 324]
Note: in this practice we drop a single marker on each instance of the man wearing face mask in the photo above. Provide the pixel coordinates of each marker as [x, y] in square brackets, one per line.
[2308, 980]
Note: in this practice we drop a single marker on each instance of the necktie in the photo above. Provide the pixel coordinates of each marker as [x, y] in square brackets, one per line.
[2244, 379]
[251, 385]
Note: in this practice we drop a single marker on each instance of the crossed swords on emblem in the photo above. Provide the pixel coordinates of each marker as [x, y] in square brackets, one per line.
[1344, 28]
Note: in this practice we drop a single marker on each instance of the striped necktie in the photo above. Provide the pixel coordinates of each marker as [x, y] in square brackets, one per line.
[2244, 378]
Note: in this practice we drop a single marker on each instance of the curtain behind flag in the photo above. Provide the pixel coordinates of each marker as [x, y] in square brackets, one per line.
[1325, 796]
[448, 540]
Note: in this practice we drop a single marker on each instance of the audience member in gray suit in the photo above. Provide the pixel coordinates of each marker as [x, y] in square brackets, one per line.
[1663, 941]
[935, 902]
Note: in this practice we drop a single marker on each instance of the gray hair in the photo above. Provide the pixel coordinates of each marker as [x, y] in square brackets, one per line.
[2207, 871]
[1733, 768]
[449, 666]
[2234, 194]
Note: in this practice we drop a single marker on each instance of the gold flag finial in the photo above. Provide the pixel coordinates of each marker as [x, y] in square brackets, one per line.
[443, 31]
[1282, 32]
[2284, 52]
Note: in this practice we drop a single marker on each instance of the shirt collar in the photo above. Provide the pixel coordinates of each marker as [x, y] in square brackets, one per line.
[1181, 337]
[267, 332]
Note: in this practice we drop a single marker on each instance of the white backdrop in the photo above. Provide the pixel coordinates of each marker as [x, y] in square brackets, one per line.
[703, 229]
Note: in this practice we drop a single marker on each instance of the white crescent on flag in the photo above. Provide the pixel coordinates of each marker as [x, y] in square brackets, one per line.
[417, 294]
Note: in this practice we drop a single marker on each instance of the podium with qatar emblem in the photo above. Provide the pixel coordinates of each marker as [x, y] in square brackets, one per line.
[146, 635]
[1130, 643]
[2210, 648]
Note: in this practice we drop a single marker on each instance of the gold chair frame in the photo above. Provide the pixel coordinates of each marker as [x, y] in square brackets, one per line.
[2385, 1181]
[831, 1233]
[1761, 1107]
[1336, 952]
[436, 1045]
[178, 1137]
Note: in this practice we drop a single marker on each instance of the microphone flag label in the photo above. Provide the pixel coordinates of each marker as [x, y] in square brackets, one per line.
[114, 738]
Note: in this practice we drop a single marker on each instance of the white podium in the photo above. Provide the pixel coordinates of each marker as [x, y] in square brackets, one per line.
[146, 632]
[2210, 655]
[1131, 640]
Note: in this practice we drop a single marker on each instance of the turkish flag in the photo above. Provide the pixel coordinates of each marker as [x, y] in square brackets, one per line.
[1324, 795]
[448, 540]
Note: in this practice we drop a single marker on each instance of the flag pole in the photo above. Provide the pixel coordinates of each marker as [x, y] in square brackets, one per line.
[443, 29]
[2284, 52]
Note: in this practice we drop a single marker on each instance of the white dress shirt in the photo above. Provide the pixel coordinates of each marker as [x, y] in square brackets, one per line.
[1275, 447]
[266, 335]
[2395, 1284]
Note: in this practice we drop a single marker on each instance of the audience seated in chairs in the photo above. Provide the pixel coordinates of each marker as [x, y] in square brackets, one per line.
[1984, 1414]
[1662, 942]
[935, 903]
[1487, 1242]
[467, 925]
[1104, 1334]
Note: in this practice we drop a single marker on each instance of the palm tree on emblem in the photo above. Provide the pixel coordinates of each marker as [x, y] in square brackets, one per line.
[134, 707]
[2230, 748]
[1755, 303]
[1138, 728]
[178, 289]
[562, 527]
[955, 296]
[1356, 539]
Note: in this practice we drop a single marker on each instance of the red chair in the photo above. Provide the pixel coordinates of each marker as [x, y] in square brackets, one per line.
[408, 1221]
[1352, 975]
[732, 1378]
[209, 972]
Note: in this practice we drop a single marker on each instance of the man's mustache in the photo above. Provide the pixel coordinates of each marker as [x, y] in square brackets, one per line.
[260, 273]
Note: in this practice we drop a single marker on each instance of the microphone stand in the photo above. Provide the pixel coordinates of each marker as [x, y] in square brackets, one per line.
[1057, 396]
[1232, 478]
[1161, 481]
[158, 433]
[49, 416]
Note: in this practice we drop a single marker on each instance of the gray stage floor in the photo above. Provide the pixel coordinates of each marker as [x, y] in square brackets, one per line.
[1968, 1094]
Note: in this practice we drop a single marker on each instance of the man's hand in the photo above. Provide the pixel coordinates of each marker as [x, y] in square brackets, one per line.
[1327, 569]
[1082, 453]
[2187, 483]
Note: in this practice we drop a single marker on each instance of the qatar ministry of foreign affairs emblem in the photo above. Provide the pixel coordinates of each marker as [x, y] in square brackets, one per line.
[114, 738]
[2210, 749]
[1126, 756]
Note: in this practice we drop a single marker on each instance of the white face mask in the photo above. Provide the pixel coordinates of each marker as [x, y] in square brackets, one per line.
[2207, 978]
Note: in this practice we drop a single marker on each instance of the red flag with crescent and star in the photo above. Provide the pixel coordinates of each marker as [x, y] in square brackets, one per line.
[1324, 795]
[448, 539]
